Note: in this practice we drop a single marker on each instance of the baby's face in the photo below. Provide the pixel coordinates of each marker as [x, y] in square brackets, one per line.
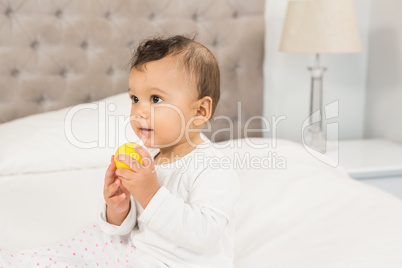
[162, 100]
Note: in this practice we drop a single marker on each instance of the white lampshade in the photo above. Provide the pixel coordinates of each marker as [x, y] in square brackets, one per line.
[320, 26]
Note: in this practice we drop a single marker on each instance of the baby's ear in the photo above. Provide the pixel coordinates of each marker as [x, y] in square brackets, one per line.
[204, 110]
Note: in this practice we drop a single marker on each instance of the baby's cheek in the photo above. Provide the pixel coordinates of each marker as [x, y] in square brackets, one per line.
[170, 121]
[169, 115]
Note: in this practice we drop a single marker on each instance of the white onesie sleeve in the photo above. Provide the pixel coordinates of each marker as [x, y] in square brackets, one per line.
[199, 223]
[127, 225]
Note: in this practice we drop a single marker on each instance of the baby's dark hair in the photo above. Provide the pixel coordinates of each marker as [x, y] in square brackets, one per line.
[196, 59]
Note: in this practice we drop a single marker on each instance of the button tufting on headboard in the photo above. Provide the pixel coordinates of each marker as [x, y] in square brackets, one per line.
[151, 16]
[41, 99]
[84, 45]
[110, 71]
[235, 14]
[131, 44]
[59, 13]
[87, 99]
[63, 72]
[237, 67]
[35, 45]
[8, 12]
[61, 53]
[108, 15]
[215, 42]
[15, 72]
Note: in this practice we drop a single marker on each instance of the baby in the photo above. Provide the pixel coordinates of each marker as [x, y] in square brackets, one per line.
[177, 210]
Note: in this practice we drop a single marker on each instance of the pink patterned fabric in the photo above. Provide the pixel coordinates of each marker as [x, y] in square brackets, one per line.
[88, 248]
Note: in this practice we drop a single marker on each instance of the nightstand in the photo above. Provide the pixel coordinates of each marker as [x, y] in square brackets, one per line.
[374, 161]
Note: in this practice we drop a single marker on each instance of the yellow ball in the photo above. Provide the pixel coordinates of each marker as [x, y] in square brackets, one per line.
[127, 149]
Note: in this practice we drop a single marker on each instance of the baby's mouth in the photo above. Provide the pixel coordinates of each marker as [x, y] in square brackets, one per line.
[146, 131]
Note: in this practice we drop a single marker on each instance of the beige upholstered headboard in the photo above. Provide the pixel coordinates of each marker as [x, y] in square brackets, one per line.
[58, 53]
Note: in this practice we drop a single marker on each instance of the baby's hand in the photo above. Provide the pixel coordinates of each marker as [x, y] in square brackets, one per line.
[117, 197]
[142, 182]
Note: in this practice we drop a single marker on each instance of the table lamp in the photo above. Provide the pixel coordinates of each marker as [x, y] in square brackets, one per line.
[317, 27]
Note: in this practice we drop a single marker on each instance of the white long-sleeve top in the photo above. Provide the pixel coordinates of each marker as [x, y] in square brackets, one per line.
[190, 220]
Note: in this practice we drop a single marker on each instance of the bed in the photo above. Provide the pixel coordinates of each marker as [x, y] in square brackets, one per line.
[295, 210]
[59, 110]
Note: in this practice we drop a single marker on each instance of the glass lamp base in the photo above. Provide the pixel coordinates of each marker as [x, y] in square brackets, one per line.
[315, 139]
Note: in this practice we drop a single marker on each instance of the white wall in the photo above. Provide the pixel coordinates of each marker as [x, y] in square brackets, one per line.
[384, 83]
[287, 80]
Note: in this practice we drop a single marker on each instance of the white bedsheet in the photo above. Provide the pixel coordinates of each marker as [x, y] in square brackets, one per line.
[307, 215]
[41, 208]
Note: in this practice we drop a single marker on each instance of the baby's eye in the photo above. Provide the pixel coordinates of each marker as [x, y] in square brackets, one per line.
[155, 99]
[134, 99]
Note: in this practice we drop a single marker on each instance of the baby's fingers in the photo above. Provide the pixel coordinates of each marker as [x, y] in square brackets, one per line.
[112, 189]
[110, 172]
[115, 200]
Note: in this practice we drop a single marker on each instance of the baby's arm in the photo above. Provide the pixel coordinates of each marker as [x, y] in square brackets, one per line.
[199, 223]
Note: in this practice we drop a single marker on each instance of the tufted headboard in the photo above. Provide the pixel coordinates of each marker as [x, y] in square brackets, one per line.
[58, 53]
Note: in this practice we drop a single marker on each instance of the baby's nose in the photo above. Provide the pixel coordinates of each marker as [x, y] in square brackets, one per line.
[138, 116]
[142, 112]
